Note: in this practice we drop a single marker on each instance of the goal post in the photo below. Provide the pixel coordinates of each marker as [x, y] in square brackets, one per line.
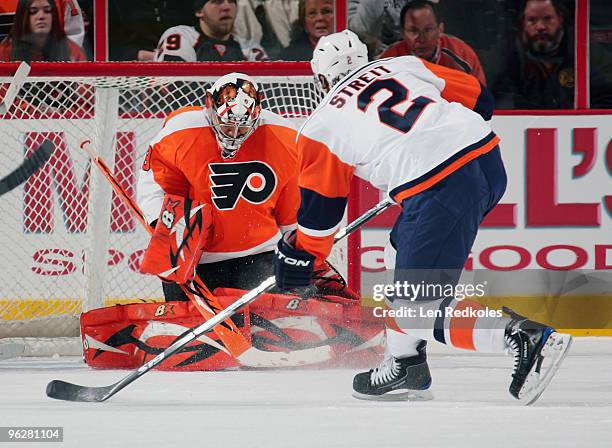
[70, 244]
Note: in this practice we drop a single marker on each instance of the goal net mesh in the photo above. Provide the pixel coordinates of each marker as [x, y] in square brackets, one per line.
[69, 243]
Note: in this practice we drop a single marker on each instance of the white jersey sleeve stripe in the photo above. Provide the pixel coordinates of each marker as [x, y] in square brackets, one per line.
[318, 233]
[149, 195]
[185, 120]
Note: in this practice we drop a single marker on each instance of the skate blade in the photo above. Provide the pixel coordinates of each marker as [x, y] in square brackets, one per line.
[549, 360]
[408, 395]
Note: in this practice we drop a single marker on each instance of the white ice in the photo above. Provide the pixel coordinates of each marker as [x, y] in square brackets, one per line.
[314, 409]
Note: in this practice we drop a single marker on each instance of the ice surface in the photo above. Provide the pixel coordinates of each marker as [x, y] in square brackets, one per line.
[310, 408]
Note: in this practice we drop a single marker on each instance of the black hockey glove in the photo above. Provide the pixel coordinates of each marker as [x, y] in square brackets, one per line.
[292, 267]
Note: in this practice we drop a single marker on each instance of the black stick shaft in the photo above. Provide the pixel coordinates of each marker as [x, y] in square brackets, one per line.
[28, 167]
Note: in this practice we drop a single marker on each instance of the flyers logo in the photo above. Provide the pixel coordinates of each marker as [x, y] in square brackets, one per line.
[254, 181]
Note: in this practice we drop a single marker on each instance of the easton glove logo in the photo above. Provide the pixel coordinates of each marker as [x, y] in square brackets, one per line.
[254, 181]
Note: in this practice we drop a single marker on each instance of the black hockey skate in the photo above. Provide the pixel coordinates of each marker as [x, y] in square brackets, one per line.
[396, 379]
[538, 352]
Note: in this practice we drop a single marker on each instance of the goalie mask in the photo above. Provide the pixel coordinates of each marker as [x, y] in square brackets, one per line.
[233, 104]
[335, 56]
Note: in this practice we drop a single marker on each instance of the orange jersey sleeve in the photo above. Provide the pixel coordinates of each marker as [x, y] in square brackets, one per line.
[324, 183]
[289, 199]
[455, 53]
[465, 89]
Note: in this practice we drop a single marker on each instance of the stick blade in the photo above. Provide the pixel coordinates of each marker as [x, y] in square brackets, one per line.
[61, 390]
[27, 168]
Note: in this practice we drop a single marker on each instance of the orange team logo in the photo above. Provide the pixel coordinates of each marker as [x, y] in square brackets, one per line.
[253, 181]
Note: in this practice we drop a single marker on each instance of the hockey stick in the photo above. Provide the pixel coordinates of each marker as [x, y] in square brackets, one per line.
[28, 167]
[11, 93]
[62, 390]
[208, 306]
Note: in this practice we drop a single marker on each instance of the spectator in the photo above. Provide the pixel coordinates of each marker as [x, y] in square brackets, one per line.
[376, 22]
[424, 37]
[315, 20]
[267, 22]
[37, 35]
[540, 71]
[211, 39]
[69, 13]
[135, 26]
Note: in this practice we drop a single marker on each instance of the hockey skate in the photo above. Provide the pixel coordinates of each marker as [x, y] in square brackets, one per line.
[538, 352]
[396, 379]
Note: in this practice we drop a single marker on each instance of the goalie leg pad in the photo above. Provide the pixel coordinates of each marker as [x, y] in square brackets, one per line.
[127, 336]
[183, 229]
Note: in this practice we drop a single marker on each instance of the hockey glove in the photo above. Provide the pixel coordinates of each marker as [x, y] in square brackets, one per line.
[292, 267]
[329, 281]
[180, 236]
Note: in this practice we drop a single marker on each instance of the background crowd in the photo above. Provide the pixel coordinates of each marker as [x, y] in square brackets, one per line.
[523, 50]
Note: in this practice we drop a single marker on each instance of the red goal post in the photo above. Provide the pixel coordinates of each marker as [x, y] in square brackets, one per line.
[70, 245]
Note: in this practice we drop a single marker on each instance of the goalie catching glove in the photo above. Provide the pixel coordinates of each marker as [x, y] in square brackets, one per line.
[180, 237]
[292, 267]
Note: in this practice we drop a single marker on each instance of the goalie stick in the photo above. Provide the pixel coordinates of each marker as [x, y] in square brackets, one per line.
[62, 390]
[28, 167]
[208, 306]
[11, 93]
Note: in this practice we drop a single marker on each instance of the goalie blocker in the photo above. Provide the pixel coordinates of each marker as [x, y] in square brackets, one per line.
[323, 331]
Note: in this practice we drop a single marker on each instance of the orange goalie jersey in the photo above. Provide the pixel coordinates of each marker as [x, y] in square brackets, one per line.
[254, 195]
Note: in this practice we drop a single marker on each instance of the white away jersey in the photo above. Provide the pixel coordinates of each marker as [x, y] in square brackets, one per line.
[402, 124]
[393, 123]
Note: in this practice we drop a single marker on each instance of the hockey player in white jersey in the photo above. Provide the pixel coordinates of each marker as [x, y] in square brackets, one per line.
[420, 133]
[211, 39]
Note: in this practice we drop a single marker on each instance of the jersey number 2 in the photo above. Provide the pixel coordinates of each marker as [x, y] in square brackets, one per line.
[399, 94]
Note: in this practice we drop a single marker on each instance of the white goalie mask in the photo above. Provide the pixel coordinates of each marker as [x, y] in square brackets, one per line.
[335, 56]
[233, 104]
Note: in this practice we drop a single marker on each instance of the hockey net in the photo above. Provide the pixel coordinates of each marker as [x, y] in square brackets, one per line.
[69, 243]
